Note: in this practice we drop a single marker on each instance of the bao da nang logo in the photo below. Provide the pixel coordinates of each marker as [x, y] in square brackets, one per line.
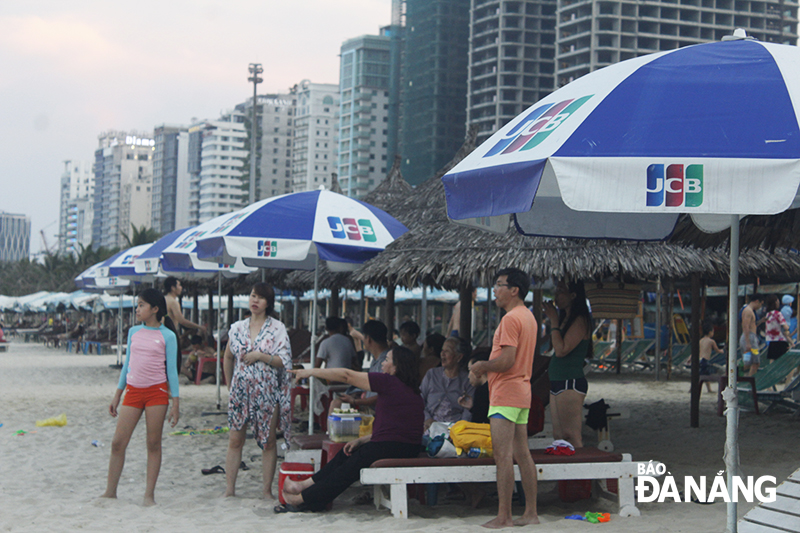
[675, 185]
[537, 126]
[700, 489]
[352, 229]
[267, 249]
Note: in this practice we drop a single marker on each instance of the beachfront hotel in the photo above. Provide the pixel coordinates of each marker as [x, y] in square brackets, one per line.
[315, 130]
[364, 83]
[76, 207]
[216, 158]
[15, 237]
[592, 34]
[123, 170]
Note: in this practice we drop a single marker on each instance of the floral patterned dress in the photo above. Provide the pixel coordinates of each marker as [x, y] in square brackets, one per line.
[257, 389]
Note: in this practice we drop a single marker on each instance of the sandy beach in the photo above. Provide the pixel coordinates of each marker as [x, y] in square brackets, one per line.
[51, 477]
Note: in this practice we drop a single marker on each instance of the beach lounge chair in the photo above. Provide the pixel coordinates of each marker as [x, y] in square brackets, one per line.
[609, 360]
[772, 374]
[600, 352]
[587, 463]
[788, 397]
[777, 516]
[637, 353]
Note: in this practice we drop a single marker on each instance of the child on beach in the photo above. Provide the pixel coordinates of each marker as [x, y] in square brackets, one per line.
[152, 362]
[707, 347]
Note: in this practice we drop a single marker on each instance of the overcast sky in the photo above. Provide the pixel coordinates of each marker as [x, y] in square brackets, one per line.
[73, 69]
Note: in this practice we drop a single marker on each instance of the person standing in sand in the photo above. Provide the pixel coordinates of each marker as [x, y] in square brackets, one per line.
[152, 363]
[256, 360]
[707, 346]
[172, 291]
[749, 340]
[509, 371]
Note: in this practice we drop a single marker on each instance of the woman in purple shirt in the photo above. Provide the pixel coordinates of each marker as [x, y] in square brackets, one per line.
[396, 432]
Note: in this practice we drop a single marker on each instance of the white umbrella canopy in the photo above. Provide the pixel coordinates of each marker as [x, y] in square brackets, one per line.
[710, 130]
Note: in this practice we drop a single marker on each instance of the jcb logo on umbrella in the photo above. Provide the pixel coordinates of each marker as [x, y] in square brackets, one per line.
[267, 248]
[351, 229]
[537, 126]
[674, 186]
[189, 240]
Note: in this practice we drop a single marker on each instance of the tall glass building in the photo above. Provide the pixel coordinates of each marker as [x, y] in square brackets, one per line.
[433, 85]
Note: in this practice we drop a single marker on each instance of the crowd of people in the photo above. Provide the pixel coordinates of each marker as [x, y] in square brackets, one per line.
[409, 385]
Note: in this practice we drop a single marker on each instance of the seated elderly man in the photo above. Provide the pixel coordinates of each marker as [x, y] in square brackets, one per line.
[443, 386]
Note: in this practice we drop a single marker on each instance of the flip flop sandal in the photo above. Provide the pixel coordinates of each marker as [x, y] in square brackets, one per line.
[289, 508]
[244, 466]
[216, 470]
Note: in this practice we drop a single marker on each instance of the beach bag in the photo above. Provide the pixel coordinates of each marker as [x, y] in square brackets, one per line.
[440, 447]
[466, 435]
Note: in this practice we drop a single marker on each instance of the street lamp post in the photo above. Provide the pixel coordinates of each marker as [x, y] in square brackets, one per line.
[254, 69]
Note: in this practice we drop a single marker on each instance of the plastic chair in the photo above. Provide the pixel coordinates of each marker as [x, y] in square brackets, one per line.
[299, 390]
[200, 363]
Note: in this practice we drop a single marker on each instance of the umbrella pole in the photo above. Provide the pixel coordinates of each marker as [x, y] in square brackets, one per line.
[219, 336]
[658, 329]
[731, 455]
[311, 400]
[119, 332]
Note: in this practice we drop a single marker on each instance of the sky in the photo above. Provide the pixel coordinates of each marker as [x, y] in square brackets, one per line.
[74, 69]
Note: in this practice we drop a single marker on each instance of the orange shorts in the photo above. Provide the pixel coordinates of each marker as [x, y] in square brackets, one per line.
[144, 397]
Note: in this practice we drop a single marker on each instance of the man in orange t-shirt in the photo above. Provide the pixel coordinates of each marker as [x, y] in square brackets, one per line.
[509, 371]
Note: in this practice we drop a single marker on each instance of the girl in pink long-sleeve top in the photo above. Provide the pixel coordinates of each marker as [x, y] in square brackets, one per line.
[149, 377]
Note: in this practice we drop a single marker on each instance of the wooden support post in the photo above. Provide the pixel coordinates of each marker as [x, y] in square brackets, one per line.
[389, 321]
[465, 317]
[694, 411]
[336, 302]
[537, 314]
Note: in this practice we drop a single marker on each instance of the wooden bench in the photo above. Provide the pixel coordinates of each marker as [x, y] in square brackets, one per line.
[587, 463]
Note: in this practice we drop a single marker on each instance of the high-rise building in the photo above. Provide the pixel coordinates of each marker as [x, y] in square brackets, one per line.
[76, 210]
[595, 33]
[434, 85]
[123, 171]
[511, 60]
[315, 128]
[216, 157]
[364, 83]
[15, 237]
[274, 155]
[170, 204]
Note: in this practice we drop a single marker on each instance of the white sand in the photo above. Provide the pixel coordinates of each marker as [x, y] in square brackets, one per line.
[50, 478]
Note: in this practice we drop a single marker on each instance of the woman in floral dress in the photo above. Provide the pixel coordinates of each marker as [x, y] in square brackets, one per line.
[256, 360]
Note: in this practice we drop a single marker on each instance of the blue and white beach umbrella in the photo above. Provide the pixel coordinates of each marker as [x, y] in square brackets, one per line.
[123, 263]
[296, 231]
[710, 130]
[293, 231]
[175, 254]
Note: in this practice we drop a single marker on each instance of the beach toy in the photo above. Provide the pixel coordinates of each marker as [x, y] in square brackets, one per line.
[574, 517]
[596, 518]
[97, 443]
[20, 432]
[60, 420]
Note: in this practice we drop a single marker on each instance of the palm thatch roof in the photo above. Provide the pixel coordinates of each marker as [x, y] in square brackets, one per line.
[770, 232]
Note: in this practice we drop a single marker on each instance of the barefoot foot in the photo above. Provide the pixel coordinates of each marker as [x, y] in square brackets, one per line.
[526, 520]
[148, 501]
[498, 523]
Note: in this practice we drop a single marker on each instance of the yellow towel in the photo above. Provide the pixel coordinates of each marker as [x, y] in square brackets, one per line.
[60, 420]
